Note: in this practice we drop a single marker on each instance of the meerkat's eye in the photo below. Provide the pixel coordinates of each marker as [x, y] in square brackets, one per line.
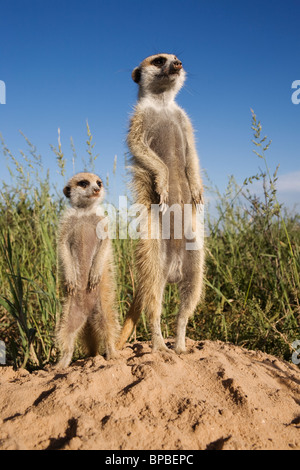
[83, 183]
[159, 61]
[99, 183]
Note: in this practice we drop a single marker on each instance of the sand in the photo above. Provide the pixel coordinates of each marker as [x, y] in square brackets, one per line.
[218, 396]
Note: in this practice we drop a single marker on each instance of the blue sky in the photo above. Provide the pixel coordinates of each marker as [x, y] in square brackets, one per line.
[68, 61]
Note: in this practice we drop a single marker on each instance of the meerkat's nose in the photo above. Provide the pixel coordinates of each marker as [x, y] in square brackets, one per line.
[177, 65]
[96, 190]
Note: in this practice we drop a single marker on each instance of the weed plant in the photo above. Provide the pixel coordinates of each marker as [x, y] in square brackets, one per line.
[252, 265]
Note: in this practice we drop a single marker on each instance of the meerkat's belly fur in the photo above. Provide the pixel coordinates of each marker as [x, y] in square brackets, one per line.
[165, 136]
[83, 245]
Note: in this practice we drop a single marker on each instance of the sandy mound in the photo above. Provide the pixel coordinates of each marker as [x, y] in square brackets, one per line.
[218, 396]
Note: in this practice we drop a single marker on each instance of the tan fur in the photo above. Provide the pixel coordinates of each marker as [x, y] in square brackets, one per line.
[87, 272]
[165, 171]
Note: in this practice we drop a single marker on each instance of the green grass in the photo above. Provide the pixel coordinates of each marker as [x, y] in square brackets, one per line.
[252, 267]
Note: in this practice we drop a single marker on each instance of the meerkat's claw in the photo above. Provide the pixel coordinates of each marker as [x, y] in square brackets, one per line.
[199, 207]
[71, 288]
[163, 208]
[163, 205]
[93, 282]
[197, 198]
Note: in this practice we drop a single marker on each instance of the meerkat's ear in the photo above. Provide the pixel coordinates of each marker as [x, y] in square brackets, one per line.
[136, 75]
[67, 191]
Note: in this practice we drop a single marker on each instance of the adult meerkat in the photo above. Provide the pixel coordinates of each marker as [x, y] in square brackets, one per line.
[166, 171]
[86, 264]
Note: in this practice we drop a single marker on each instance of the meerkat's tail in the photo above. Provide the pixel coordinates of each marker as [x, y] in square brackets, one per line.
[130, 322]
[148, 295]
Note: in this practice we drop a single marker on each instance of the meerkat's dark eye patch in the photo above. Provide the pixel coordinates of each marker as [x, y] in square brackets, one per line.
[83, 183]
[99, 183]
[159, 61]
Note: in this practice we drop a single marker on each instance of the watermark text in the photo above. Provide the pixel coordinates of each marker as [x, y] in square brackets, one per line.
[296, 353]
[2, 92]
[2, 353]
[178, 222]
[296, 94]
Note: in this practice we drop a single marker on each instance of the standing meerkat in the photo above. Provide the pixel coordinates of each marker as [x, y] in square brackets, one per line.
[86, 265]
[166, 171]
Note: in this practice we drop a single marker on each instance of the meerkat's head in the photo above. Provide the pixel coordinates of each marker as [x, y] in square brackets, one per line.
[159, 74]
[84, 190]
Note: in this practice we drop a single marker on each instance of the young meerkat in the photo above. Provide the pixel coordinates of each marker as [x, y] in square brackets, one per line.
[86, 265]
[166, 171]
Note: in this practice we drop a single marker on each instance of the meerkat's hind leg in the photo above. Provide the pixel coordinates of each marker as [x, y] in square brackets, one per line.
[131, 320]
[149, 293]
[154, 308]
[71, 324]
[67, 353]
[102, 333]
[190, 294]
[151, 303]
[90, 339]
[109, 335]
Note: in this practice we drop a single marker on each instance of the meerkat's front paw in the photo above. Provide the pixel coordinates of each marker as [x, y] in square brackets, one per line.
[162, 189]
[197, 196]
[94, 280]
[71, 287]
